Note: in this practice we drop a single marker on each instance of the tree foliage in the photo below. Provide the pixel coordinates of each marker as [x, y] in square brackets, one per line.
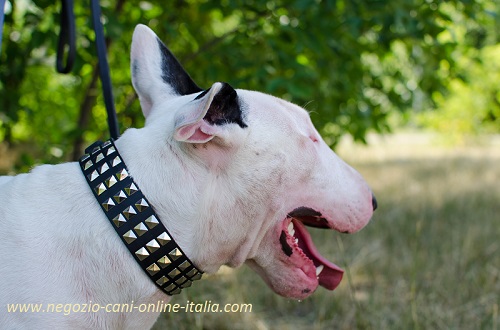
[471, 104]
[350, 63]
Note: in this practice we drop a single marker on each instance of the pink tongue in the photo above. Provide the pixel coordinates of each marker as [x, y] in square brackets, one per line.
[331, 275]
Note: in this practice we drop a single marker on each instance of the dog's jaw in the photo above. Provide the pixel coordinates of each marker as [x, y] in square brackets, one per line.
[296, 241]
[222, 221]
[245, 174]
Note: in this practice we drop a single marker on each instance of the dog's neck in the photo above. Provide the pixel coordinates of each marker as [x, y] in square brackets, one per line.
[161, 176]
[187, 213]
[135, 221]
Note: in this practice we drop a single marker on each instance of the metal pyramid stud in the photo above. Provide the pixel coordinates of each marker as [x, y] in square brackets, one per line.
[119, 220]
[140, 229]
[186, 284]
[174, 273]
[95, 150]
[170, 287]
[163, 238]
[84, 158]
[175, 254]
[184, 265]
[131, 189]
[153, 269]
[192, 272]
[108, 204]
[129, 236]
[196, 277]
[141, 205]
[87, 165]
[110, 151]
[181, 280]
[122, 174]
[162, 280]
[99, 157]
[116, 161]
[151, 222]
[129, 212]
[104, 168]
[152, 246]
[176, 291]
[164, 262]
[100, 188]
[120, 196]
[142, 253]
[111, 181]
[94, 175]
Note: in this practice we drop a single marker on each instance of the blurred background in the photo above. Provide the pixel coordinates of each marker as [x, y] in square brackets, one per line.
[408, 92]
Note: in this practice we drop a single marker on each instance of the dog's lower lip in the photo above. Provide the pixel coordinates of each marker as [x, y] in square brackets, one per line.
[295, 239]
[287, 249]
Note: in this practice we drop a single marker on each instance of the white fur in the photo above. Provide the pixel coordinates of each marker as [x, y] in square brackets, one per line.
[221, 201]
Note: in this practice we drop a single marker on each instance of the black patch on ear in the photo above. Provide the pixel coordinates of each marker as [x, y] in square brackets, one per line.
[202, 94]
[225, 107]
[174, 74]
[135, 68]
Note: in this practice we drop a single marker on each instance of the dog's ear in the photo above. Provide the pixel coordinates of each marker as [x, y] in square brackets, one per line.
[156, 73]
[217, 106]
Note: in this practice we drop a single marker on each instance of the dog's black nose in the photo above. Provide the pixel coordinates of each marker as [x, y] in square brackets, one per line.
[374, 202]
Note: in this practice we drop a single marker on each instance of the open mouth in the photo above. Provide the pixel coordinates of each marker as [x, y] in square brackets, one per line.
[295, 239]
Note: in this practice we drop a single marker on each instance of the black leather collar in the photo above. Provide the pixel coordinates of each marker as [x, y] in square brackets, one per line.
[134, 220]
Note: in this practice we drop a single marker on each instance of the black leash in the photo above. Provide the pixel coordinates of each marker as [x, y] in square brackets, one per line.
[107, 89]
[2, 11]
[66, 44]
[67, 40]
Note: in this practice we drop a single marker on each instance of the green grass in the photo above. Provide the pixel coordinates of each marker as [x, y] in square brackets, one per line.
[430, 259]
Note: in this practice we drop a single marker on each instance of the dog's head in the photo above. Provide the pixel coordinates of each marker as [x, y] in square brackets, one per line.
[253, 173]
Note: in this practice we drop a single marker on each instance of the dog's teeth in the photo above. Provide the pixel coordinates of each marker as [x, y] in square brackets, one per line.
[296, 241]
[319, 269]
[291, 230]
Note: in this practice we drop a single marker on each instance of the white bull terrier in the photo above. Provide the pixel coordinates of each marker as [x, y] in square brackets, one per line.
[233, 175]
